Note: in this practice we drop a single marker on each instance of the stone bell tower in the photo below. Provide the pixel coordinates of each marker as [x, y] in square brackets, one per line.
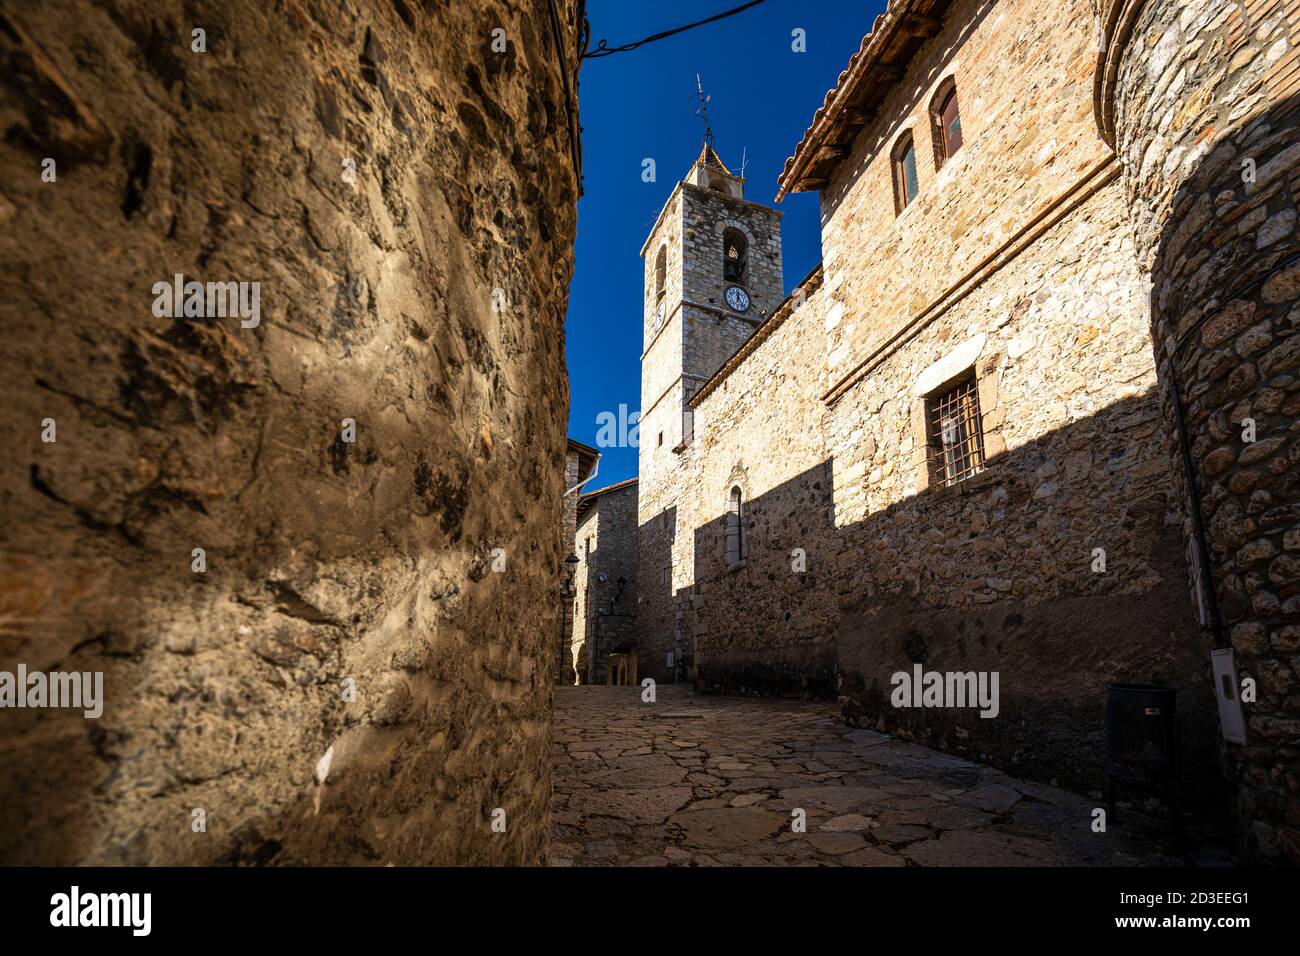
[712, 275]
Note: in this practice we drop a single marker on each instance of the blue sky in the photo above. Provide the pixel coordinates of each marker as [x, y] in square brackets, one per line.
[641, 104]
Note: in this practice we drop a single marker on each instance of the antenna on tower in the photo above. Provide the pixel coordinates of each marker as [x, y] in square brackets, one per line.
[703, 111]
[744, 153]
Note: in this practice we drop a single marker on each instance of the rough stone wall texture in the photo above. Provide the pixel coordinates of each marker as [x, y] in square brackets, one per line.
[662, 386]
[996, 574]
[699, 333]
[564, 653]
[605, 611]
[584, 547]
[1023, 72]
[1207, 124]
[665, 239]
[1000, 573]
[326, 560]
[760, 626]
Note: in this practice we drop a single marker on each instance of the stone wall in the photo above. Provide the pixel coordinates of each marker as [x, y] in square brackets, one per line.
[1204, 109]
[699, 333]
[347, 681]
[994, 575]
[758, 626]
[564, 653]
[605, 605]
[1000, 572]
[1022, 72]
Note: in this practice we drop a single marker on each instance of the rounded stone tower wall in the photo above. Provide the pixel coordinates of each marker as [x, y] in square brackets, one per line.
[1199, 99]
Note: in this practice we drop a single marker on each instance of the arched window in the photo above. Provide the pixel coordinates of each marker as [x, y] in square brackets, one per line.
[661, 271]
[905, 182]
[735, 254]
[945, 122]
[735, 536]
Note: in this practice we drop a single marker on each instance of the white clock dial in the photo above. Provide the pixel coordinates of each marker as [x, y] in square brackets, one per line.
[737, 298]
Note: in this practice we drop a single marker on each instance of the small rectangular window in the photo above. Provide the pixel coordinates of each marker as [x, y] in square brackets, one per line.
[955, 436]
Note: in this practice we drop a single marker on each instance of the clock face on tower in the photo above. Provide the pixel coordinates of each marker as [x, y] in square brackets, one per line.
[737, 298]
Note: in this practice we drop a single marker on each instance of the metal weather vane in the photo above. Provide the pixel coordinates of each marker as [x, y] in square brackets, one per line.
[703, 111]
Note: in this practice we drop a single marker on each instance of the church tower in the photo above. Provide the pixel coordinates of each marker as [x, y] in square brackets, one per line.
[712, 276]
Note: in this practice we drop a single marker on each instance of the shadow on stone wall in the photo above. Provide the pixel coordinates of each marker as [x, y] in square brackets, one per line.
[839, 629]
[657, 600]
[1226, 279]
[327, 560]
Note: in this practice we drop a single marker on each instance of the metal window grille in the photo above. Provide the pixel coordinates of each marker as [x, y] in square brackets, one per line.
[956, 441]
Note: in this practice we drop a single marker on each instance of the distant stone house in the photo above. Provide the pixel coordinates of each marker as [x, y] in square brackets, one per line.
[959, 441]
[604, 598]
[580, 463]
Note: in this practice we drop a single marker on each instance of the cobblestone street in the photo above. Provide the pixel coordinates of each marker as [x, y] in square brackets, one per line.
[693, 780]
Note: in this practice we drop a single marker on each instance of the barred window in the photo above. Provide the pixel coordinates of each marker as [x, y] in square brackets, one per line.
[956, 441]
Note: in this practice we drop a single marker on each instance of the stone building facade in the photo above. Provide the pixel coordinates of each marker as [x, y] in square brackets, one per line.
[307, 655]
[1201, 101]
[827, 525]
[604, 600]
[580, 463]
[689, 331]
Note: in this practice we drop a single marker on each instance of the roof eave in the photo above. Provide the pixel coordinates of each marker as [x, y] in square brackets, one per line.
[880, 63]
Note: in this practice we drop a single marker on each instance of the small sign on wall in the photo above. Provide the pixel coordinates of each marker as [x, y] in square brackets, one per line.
[1227, 691]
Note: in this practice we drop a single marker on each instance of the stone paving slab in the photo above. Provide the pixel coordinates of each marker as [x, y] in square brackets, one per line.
[695, 780]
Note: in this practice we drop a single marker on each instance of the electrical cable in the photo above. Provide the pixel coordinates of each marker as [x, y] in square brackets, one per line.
[604, 49]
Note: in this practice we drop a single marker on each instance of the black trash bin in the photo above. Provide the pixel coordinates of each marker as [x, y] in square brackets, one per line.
[1142, 744]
